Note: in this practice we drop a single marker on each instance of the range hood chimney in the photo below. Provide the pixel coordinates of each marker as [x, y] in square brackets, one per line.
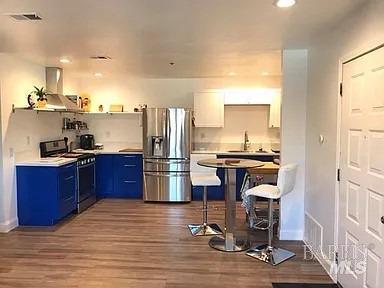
[54, 86]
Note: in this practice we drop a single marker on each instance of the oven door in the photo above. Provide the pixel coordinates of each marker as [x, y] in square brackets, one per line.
[86, 179]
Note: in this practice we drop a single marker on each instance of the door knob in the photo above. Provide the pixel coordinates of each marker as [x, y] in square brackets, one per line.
[382, 219]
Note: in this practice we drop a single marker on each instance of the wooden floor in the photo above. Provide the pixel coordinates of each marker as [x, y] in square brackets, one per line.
[125, 243]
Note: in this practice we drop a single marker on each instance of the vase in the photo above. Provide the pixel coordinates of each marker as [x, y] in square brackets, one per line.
[41, 103]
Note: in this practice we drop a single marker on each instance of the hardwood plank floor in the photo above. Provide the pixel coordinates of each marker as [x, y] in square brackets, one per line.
[126, 243]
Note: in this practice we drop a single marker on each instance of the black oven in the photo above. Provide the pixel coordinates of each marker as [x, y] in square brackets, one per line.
[86, 183]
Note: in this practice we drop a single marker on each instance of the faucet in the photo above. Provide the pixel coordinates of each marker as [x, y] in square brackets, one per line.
[247, 143]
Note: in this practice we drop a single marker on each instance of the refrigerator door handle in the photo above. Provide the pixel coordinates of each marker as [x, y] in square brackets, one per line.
[167, 161]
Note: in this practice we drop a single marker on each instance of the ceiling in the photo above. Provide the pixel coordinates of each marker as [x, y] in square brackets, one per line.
[204, 38]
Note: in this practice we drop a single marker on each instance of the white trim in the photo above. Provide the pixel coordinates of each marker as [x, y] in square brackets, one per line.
[7, 226]
[291, 235]
[361, 50]
[338, 159]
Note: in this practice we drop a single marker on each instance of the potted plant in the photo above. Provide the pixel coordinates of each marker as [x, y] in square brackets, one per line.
[41, 96]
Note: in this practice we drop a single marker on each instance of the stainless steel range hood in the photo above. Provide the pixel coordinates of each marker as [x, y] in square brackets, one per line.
[54, 87]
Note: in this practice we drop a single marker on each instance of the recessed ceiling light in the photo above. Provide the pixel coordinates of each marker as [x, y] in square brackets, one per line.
[65, 60]
[285, 3]
[98, 74]
[265, 73]
[231, 74]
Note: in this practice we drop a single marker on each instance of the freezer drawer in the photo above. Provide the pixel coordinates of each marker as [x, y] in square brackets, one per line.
[167, 186]
[168, 165]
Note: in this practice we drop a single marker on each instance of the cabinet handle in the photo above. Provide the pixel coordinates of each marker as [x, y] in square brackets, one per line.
[127, 181]
[129, 156]
[69, 166]
[129, 165]
[69, 178]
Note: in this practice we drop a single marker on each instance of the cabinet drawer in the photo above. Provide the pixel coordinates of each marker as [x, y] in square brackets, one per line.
[129, 189]
[67, 183]
[129, 172]
[133, 159]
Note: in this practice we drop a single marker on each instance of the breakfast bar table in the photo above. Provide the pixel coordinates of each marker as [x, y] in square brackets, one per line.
[231, 242]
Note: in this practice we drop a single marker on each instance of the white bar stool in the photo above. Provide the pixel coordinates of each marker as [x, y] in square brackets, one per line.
[285, 183]
[203, 176]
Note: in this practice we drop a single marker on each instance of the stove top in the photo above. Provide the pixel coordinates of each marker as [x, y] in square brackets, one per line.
[76, 155]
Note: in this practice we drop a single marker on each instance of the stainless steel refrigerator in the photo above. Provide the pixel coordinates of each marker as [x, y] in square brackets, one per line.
[167, 150]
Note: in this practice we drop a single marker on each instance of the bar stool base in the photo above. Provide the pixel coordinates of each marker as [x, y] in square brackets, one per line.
[240, 244]
[271, 255]
[205, 230]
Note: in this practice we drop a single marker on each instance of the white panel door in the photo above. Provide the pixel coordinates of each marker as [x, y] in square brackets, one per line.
[361, 231]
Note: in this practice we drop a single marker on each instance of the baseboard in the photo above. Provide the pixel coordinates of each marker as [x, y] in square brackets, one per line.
[325, 263]
[7, 226]
[291, 235]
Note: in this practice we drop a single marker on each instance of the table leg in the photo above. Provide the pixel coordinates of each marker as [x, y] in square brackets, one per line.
[231, 242]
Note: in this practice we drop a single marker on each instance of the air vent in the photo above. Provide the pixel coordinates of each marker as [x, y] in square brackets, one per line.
[100, 57]
[25, 17]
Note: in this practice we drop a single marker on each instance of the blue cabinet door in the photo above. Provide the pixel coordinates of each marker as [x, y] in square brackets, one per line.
[45, 194]
[67, 184]
[128, 176]
[104, 175]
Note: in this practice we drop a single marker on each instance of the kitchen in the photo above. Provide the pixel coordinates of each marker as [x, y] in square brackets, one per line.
[91, 186]
[261, 104]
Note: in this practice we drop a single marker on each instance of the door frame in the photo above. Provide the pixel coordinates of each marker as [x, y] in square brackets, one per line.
[357, 53]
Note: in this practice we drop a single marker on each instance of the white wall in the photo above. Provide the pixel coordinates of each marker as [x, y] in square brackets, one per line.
[170, 93]
[21, 131]
[365, 28]
[293, 130]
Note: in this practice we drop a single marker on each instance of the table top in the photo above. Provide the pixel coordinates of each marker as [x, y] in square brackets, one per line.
[230, 163]
[268, 168]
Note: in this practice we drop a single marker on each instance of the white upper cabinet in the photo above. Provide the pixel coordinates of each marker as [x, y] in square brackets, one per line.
[275, 111]
[209, 109]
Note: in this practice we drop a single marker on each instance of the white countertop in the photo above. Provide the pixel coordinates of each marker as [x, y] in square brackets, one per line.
[59, 161]
[107, 151]
[245, 153]
[47, 162]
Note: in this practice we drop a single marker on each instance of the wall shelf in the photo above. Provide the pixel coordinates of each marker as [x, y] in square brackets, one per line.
[37, 110]
[112, 113]
[14, 109]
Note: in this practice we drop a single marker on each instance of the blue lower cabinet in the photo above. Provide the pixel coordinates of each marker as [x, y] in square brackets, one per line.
[119, 176]
[45, 194]
[104, 175]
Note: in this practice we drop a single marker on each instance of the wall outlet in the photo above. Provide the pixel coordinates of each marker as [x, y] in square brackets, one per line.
[28, 140]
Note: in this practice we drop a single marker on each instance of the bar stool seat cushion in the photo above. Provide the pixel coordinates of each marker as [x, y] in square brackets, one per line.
[205, 179]
[265, 191]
